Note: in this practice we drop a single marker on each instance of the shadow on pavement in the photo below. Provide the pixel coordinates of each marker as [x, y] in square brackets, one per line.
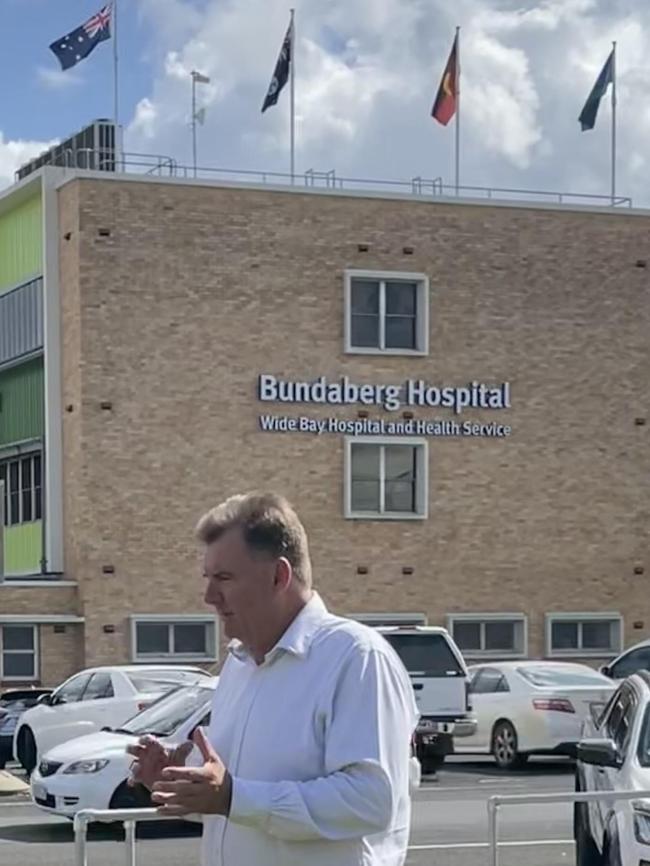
[63, 833]
[534, 767]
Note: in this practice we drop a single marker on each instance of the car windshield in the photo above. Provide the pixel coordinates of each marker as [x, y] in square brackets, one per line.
[544, 675]
[427, 654]
[166, 715]
[151, 681]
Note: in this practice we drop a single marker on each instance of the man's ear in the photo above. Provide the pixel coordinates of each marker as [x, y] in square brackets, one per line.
[283, 573]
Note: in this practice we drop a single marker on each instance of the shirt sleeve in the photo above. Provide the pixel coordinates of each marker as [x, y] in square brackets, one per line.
[370, 720]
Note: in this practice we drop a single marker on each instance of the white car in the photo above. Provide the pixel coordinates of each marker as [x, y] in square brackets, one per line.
[531, 707]
[90, 699]
[615, 756]
[91, 772]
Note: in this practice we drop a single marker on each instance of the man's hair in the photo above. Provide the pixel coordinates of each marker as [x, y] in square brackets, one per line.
[269, 525]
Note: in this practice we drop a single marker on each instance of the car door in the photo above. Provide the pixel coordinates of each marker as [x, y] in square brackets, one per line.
[57, 722]
[489, 690]
[93, 708]
[617, 726]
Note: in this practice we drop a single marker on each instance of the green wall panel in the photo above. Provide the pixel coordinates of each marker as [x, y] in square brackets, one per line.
[21, 243]
[23, 548]
[21, 402]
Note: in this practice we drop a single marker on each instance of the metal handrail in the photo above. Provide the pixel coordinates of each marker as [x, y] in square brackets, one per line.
[495, 802]
[129, 817]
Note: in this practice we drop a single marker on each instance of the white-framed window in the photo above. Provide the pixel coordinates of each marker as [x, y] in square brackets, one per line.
[386, 312]
[188, 638]
[386, 478]
[18, 652]
[22, 480]
[489, 635]
[584, 634]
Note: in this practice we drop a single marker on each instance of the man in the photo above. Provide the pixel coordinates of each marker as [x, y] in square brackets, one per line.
[306, 759]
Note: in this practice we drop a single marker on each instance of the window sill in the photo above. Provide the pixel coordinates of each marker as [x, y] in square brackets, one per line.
[369, 350]
[584, 654]
[390, 515]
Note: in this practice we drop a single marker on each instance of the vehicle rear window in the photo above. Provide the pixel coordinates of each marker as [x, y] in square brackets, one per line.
[425, 654]
[167, 714]
[546, 676]
[149, 681]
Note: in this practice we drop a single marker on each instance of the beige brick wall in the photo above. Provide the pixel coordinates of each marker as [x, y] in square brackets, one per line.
[197, 290]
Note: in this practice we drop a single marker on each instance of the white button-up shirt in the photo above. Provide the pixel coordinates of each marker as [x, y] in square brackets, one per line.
[317, 741]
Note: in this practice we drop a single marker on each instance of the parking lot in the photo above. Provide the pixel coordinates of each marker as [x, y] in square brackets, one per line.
[449, 824]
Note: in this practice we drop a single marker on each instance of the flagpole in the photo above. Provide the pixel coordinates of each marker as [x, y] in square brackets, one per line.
[116, 89]
[293, 97]
[613, 122]
[457, 89]
[194, 121]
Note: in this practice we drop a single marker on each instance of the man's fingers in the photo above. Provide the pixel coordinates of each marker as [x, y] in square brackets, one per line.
[173, 811]
[204, 745]
[180, 787]
[182, 753]
[176, 774]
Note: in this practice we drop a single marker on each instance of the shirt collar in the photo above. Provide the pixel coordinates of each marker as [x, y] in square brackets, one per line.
[297, 638]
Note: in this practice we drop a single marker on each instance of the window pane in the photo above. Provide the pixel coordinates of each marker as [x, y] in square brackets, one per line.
[17, 637]
[401, 298]
[190, 638]
[72, 691]
[3, 479]
[100, 686]
[365, 462]
[564, 635]
[400, 332]
[365, 496]
[596, 634]
[152, 638]
[400, 496]
[26, 488]
[38, 512]
[365, 297]
[14, 493]
[18, 665]
[365, 331]
[400, 462]
[500, 636]
[468, 635]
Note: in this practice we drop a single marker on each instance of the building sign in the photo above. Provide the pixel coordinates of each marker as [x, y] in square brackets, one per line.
[391, 398]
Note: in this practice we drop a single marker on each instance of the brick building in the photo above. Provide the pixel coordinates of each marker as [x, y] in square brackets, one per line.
[453, 393]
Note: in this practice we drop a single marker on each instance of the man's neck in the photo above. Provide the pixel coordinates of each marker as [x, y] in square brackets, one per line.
[259, 652]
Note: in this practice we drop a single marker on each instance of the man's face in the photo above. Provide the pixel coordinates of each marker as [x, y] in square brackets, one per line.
[241, 586]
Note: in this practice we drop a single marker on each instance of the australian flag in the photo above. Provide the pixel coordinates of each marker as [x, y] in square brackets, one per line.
[79, 43]
[281, 71]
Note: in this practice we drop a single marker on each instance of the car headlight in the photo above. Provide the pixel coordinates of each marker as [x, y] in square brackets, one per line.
[642, 825]
[86, 766]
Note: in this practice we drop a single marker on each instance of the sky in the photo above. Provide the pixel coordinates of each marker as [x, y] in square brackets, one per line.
[366, 75]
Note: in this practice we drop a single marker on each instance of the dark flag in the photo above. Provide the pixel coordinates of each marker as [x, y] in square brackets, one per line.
[79, 43]
[590, 109]
[445, 103]
[281, 71]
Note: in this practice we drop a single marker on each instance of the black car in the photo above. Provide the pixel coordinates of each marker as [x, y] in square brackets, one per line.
[13, 704]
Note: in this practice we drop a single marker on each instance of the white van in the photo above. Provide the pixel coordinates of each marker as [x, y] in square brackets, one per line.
[441, 685]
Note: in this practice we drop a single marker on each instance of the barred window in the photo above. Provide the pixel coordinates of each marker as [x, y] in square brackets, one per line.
[22, 489]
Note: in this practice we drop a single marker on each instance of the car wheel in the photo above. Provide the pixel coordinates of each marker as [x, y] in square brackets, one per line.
[431, 764]
[126, 797]
[504, 747]
[26, 749]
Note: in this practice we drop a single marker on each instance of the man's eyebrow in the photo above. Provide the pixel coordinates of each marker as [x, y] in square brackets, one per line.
[220, 572]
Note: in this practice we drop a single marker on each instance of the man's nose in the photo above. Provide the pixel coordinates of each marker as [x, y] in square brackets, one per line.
[212, 594]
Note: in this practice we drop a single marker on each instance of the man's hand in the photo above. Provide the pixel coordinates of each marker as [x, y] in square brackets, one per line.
[151, 758]
[202, 790]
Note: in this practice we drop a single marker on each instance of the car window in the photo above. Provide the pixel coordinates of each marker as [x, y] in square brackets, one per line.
[73, 689]
[621, 718]
[489, 681]
[100, 686]
[425, 654]
[636, 660]
[148, 681]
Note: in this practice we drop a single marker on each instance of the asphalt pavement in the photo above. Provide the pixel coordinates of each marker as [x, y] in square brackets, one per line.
[449, 825]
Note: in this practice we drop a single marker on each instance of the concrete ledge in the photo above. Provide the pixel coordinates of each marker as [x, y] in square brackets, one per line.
[11, 784]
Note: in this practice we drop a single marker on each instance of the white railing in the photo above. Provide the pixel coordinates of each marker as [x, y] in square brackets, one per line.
[495, 803]
[129, 817]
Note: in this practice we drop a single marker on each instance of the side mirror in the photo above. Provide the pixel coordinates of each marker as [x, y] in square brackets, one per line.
[44, 699]
[600, 753]
[605, 670]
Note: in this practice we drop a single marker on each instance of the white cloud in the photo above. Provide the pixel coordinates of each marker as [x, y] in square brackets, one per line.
[13, 154]
[58, 79]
